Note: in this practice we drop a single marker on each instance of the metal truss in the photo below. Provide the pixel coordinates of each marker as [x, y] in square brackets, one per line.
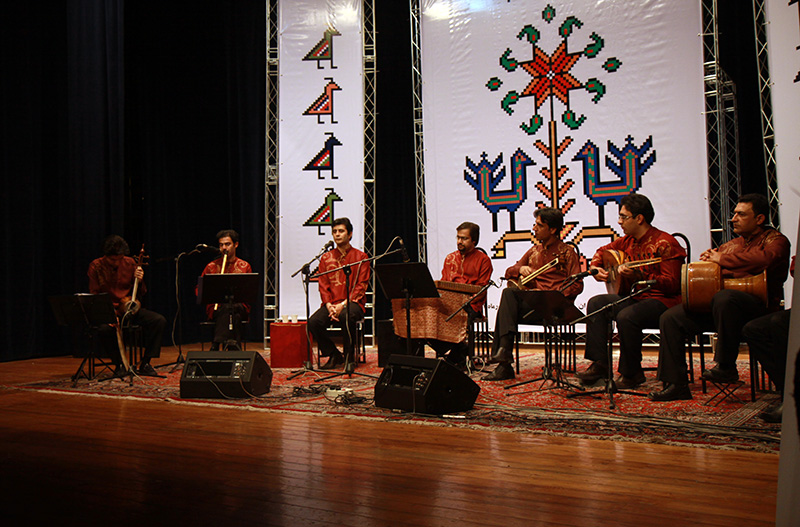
[419, 158]
[271, 174]
[271, 202]
[370, 68]
[765, 99]
[722, 131]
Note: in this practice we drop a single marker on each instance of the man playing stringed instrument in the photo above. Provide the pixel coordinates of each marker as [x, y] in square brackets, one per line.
[543, 267]
[228, 262]
[468, 265]
[758, 248]
[115, 273]
[644, 254]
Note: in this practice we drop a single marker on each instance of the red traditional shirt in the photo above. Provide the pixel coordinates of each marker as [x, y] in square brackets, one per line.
[332, 286]
[105, 276]
[551, 280]
[474, 268]
[767, 250]
[234, 265]
[667, 273]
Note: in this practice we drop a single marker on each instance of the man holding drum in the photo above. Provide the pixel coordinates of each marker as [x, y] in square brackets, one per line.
[757, 248]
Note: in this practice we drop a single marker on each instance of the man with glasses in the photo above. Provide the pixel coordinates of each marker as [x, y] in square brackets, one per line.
[757, 248]
[514, 303]
[640, 243]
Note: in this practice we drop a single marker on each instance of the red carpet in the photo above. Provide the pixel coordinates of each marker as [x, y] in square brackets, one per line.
[731, 424]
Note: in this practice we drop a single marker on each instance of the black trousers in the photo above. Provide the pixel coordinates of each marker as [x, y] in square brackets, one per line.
[319, 322]
[152, 325]
[223, 331]
[768, 339]
[632, 316]
[730, 311]
[459, 350]
[515, 304]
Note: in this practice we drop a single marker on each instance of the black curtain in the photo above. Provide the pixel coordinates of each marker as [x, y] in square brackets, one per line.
[147, 118]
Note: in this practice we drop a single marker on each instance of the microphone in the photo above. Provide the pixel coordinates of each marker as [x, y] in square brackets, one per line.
[645, 283]
[206, 248]
[328, 246]
[584, 274]
[403, 250]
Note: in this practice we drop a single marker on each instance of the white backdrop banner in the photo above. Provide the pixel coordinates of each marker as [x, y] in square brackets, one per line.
[565, 104]
[783, 34]
[320, 135]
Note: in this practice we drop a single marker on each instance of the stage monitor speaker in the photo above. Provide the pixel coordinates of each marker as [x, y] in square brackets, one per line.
[425, 386]
[224, 374]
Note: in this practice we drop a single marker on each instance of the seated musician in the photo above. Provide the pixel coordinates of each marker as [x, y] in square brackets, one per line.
[467, 265]
[758, 247]
[114, 273]
[768, 339]
[641, 242]
[338, 305]
[225, 337]
[546, 228]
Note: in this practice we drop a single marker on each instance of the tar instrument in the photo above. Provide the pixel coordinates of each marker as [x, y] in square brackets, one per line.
[613, 258]
[129, 305]
[700, 281]
[222, 271]
[523, 281]
[429, 315]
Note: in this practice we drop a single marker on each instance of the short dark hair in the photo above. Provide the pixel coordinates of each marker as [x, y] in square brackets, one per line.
[551, 217]
[758, 202]
[343, 221]
[638, 204]
[474, 230]
[114, 245]
[228, 233]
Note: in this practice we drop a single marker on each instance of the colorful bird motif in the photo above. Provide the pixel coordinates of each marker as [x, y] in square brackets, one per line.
[485, 183]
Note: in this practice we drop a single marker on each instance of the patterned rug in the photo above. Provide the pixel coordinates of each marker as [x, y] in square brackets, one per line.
[537, 407]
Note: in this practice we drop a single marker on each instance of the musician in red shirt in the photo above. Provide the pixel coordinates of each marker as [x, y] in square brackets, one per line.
[514, 301]
[114, 273]
[468, 265]
[338, 306]
[757, 248]
[224, 336]
[641, 242]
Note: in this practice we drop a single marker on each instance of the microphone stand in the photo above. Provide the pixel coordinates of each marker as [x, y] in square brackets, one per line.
[308, 365]
[178, 320]
[349, 366]
[610, 388]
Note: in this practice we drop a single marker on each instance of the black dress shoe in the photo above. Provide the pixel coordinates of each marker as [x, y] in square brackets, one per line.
[333, 361]
[626, 383]
[673, 392]
[503, 354]
[502, 372]
[146, 369]
[718, 374]
[592, 374]
[773, 414]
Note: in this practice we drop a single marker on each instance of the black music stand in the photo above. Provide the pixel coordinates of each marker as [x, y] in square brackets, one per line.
[228, 289]
[85, 313]
[610, 387]
[551, 309]
[407, 281]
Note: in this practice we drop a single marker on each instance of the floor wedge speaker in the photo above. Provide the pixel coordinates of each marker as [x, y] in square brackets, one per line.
[426, 386]
[224, 374]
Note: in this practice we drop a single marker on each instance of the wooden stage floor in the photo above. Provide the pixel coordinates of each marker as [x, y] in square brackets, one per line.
[79, 460]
